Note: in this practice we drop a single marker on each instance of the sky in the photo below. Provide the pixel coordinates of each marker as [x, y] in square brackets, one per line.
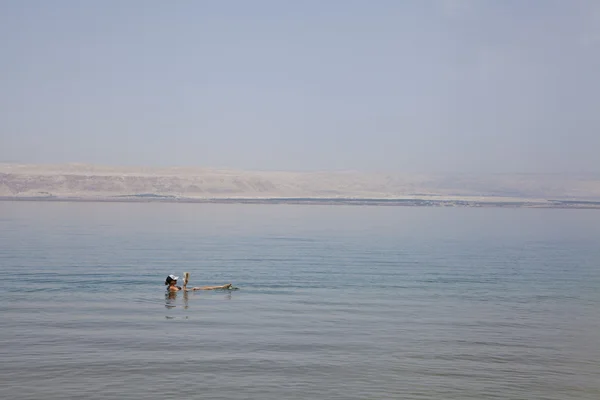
[370, 85]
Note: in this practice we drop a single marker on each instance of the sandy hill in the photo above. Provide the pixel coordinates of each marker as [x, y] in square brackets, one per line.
[80, 181]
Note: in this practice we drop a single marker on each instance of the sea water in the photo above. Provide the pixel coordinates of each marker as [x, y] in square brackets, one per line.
[334, 302]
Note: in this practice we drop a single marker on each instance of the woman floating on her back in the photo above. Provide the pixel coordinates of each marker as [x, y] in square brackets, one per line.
[171, 282]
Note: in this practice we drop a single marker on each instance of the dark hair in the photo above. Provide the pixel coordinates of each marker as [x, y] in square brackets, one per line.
[169, 280]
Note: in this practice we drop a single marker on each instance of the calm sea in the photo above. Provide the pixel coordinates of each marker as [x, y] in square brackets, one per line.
[335, 302]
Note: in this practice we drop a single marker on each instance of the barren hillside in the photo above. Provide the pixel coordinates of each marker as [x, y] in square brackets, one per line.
[80, 181]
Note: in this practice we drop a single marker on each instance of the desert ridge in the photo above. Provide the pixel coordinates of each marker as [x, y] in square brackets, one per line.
[98, 182]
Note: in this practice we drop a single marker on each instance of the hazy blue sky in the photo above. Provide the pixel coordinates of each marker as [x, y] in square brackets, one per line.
[492, 86]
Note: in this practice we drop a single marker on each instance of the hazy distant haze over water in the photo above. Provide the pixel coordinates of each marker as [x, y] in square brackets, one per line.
[406, 86]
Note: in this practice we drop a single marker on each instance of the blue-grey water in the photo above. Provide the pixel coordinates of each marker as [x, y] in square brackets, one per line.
[335, 302]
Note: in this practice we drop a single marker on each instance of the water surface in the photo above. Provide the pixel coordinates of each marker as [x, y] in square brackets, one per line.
[336, 302]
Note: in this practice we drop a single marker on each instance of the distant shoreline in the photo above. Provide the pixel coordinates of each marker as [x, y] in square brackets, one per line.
[87, 183]
[499, 203]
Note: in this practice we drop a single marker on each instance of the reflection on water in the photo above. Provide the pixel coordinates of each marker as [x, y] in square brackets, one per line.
[171, 297]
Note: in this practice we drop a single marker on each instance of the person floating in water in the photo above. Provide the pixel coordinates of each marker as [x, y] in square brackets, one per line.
[171, 282]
